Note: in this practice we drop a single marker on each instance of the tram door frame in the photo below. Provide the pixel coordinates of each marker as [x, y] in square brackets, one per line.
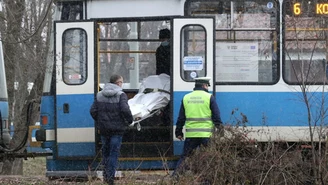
[181, 85]
[74, 129]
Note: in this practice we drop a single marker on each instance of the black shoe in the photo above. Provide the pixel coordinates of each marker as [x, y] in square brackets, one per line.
[109, 181]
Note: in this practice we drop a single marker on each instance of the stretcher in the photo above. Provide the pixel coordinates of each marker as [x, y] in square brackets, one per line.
[153, 96]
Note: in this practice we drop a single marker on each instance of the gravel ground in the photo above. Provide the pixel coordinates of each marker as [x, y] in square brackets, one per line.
[34, 174]
[38, 180]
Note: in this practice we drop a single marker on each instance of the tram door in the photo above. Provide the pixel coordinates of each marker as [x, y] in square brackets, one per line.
[193, 56]
[74, 55]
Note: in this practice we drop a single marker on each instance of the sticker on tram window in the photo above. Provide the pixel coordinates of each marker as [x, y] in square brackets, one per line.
[74, 76]
[193, 74]
[270, 5]
[193, 63]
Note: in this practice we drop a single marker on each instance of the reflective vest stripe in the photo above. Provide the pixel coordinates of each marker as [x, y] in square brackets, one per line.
[199, 130]
[198, 119]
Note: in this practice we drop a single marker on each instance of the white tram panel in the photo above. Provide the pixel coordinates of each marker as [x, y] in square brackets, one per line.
[279, 87]
[87, 87]
[178, 83]
[133, 8]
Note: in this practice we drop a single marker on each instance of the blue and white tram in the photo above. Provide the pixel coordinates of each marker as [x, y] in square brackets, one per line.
[259, 53]
[4, 108]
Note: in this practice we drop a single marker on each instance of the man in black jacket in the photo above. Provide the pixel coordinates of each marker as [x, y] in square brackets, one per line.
[112, 115]
[163, 58]
[163, 65]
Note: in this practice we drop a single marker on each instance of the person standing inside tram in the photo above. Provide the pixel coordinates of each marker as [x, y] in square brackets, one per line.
[163, 65]
[163, 58]
[112, 114]
[199, 113]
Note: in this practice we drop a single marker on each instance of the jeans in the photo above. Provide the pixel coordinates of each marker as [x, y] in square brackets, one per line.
[190, 145]
[110, 151]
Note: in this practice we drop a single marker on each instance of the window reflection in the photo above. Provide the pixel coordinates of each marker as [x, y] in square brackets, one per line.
[74, 56]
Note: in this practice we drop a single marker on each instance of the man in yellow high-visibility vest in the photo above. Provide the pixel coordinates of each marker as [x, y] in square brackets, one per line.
[199, 113]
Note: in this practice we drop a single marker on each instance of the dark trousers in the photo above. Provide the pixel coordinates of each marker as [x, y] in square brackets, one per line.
[111, 146]
[190, 145]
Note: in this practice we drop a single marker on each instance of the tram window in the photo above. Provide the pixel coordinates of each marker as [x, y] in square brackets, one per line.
[3, 86]
[193, 58]
[74, 56]
[305, 43]
[150, 29]
[128, 49]
[71, 10]
[246, 39]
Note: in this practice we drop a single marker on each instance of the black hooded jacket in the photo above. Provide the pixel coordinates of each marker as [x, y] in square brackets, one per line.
[111, 110]
[163, 61]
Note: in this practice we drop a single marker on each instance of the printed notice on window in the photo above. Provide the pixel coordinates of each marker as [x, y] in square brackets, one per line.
[193, 63]
[237, 62]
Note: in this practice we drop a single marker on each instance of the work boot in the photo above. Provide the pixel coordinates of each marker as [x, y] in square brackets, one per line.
[109, 181]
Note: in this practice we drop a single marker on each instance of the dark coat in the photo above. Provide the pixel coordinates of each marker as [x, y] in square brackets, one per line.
[163, 58]
[111, 110]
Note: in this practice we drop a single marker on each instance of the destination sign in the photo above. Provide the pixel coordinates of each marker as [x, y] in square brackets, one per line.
[322, 9]
[318, 8]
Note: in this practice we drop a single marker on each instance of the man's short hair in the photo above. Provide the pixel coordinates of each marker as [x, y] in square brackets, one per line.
[197, 85]
[164, 34]
[114, 78]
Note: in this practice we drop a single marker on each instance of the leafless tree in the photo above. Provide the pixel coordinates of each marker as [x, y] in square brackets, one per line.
[306, 50]
[25, 27]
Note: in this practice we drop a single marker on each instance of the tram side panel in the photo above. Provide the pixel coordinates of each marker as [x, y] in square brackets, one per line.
[269, 115]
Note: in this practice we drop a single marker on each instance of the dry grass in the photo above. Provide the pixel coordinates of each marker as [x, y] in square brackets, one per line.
[34, 167]
[34, 173]
[236, 160]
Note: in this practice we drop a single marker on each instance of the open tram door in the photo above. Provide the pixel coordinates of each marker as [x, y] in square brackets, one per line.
[193, 56]
[74, 65]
